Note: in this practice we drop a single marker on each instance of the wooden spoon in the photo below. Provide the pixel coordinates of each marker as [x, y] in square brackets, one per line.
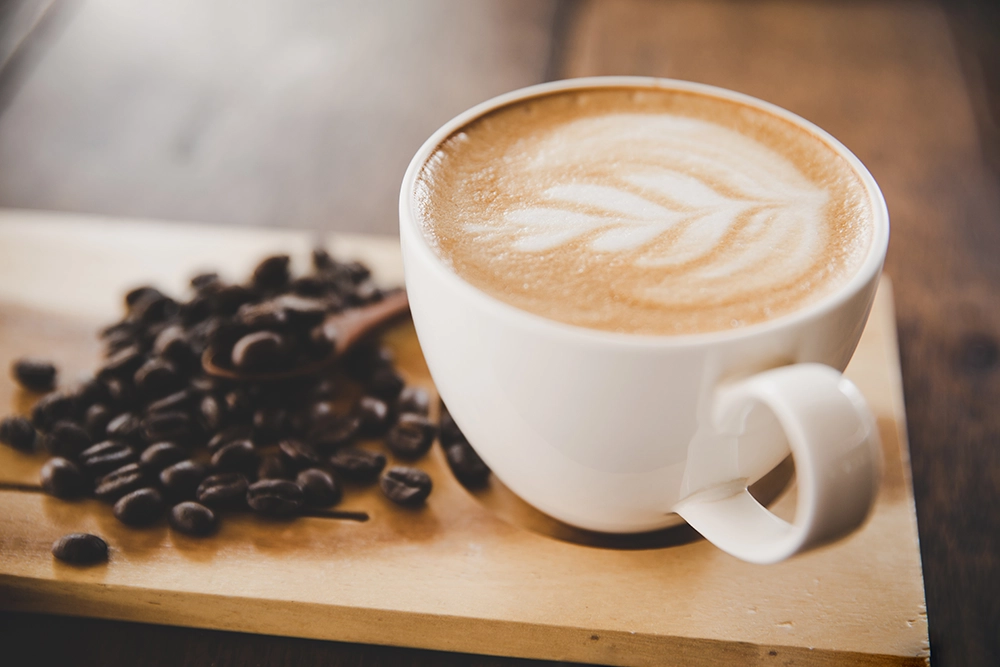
[346, 328]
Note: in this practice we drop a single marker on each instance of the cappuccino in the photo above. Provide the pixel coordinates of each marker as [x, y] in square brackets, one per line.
[644, 210]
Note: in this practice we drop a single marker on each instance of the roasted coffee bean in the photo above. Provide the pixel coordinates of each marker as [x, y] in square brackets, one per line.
[118, 482]
[466, 465]
[298, 454]
[366, 291]
[319, 488]
[205, 281]
[162, 454]
[106, 456]
[151, 308]
[122, 394]
[307, 286]
[269, 422]
[172, 343]
[50, 409]
[260, 351]
[374, 415]
[365, 358]
[448, 428]
[88, 393]
[17, 432]
[302, 313]
[181, 480]
[229, 298]
[238, 405]
[62, 478]
[411, 437]
[127, 427]
[238, 456]
[321, 259]
[96, 420]
[178, 401]
[134, 296]
[66, 439]
[405, 486]
[157, 377]
[274, 466]
[385, 383]
[122, 364]
[227, 490]
[322, 341]
[140, 507]
[227, 435]
[80, 549]
[211, 412]
[200, 308]
[414, 400]
[357, 271]
[171, 426]
[358, 465]
[192, 519]
[265, 315]
[271, 273]
[34, 374]
[275, 497]
[341, 431]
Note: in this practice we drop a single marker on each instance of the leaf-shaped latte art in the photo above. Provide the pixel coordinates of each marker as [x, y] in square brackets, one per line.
[668, 191]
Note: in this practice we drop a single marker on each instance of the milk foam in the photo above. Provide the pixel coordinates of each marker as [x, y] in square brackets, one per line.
[704, 226]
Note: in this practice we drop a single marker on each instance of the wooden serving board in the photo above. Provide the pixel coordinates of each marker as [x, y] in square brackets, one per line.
[479, 573]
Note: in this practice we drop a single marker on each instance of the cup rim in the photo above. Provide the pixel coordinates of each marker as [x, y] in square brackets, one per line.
[870, 267]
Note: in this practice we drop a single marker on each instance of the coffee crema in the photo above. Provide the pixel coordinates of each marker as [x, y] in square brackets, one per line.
[644, 210]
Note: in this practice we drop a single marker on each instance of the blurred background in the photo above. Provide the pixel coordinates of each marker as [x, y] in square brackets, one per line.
[305, 113]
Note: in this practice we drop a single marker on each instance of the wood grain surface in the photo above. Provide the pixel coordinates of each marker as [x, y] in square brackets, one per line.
[153, 125]
[476, 572]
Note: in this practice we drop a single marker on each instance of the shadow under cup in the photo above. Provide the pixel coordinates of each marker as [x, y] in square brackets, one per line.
[610, 432]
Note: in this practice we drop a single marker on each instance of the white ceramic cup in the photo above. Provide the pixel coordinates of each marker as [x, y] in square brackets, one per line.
[626, 433]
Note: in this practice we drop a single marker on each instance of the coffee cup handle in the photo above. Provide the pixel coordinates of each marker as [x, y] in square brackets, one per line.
[838, 460]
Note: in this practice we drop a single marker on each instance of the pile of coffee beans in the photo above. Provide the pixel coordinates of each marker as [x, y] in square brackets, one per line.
[152, 434]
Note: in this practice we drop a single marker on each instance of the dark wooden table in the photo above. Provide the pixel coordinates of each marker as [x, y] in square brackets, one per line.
[305, 114]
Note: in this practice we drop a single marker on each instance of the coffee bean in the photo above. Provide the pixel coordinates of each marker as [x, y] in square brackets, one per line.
[385, 383]
[271, 273]
[88, 393]
[118, 482]
[319, 488]
[17, 432]
[152, 307]
[237, 456]
[172, 426]
[211, 412]
[162, 454]
[414, 400]
[34, 374]
[238, 404]
[269, 422]
[172, 344]
[181, 480]
[122, 394]
[80, 549]
[374, 415]
[366, 291]
[62, 478]
[156, 377]
[340, 432]
[466, 465]
[96, 420]
[205, 281]
[126, 427]
[192, 519]
[225, 490]
[411, 437]
[448, 428]
[275, 497]
[365, 358]
[274, 467]
[227, 435]
[122, 364]
[140, 507]
[50, 409]
[178, 401]
[358, 465]
[66, 439]
[266, 315]
[406, 486]
[135, 295]
[322, 341]
[102, 458]
[298, 454]
[260, 351]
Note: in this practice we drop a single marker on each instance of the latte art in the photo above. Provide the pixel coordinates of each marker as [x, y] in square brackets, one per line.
[653, 213]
